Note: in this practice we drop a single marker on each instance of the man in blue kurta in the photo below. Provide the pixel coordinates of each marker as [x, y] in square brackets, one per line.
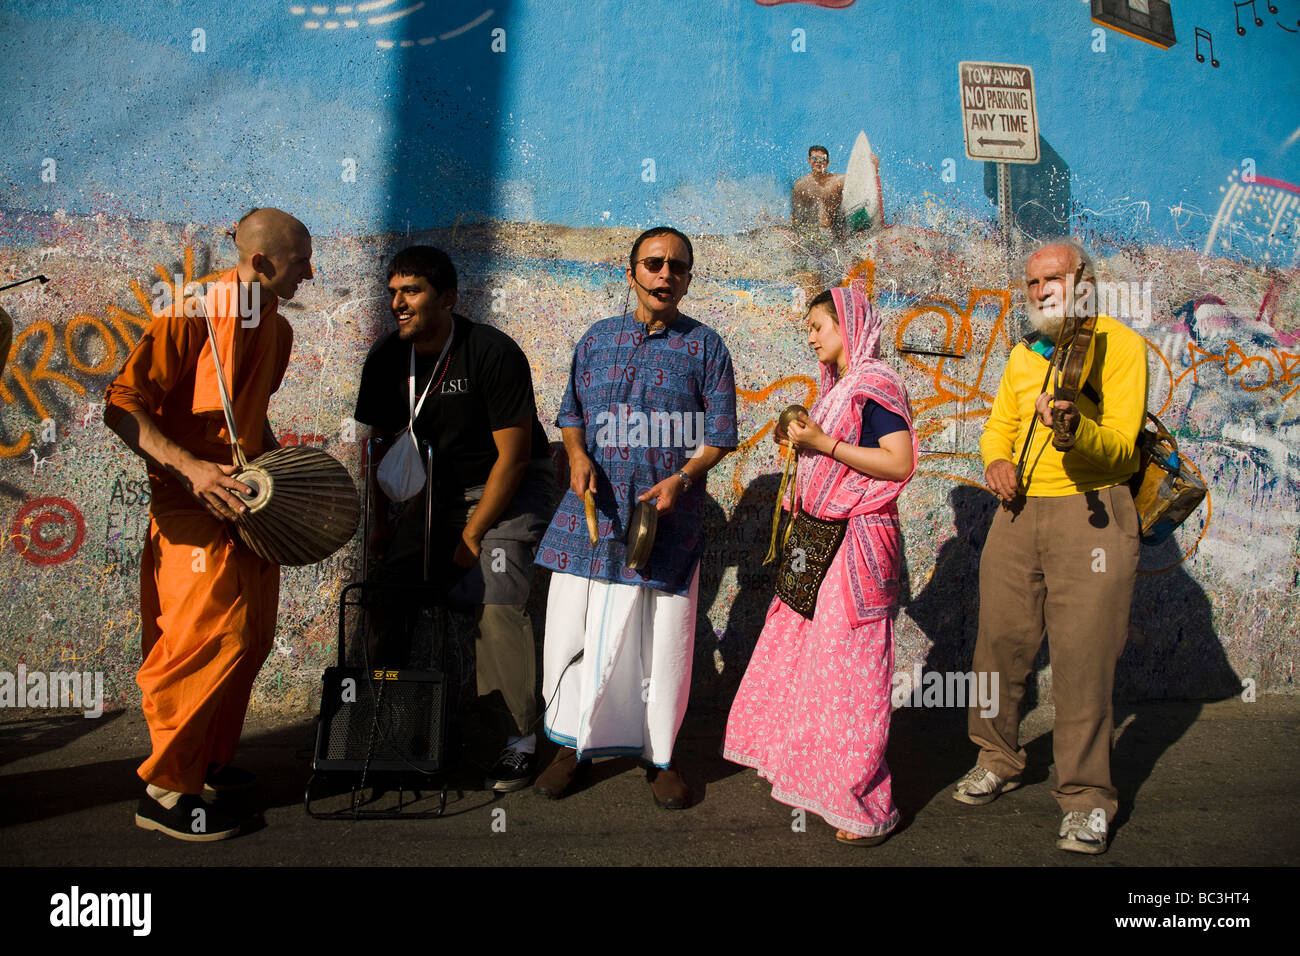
[650, 407]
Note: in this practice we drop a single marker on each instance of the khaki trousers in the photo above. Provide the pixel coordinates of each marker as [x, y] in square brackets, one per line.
[506, 663]
[1065, 565]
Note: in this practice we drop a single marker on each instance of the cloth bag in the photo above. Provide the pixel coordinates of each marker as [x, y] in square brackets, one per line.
[401, 473]
[807, 557]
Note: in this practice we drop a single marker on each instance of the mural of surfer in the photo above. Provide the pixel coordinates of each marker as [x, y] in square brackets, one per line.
[815, 199]
[826, 207]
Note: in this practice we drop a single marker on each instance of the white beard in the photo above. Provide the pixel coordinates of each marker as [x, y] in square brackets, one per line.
[1048, 324]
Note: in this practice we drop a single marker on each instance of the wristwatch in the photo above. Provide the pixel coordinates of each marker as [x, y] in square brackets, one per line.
[686, 480]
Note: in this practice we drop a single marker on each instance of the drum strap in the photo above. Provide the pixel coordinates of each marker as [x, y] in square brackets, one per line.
[240, 460]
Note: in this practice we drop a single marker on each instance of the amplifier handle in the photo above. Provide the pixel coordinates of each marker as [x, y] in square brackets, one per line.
[343, 604]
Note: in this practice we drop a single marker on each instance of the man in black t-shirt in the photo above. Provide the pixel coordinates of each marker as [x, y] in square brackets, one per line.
[492, 480]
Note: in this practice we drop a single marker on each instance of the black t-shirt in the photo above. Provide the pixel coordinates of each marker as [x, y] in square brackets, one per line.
[487, 386]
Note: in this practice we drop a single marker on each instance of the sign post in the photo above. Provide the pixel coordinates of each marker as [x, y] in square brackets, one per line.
[999, 123]
[1005, 216]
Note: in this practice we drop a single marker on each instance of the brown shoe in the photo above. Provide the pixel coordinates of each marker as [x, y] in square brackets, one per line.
[668, 787]
[555, 779]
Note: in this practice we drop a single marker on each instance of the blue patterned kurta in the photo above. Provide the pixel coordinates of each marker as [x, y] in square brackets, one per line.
[620, 375]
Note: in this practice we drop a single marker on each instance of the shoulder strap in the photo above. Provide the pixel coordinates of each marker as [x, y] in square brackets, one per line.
[413, 404]
[221, 386]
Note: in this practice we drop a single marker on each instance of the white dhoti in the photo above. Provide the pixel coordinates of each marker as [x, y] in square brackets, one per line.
[628, 692]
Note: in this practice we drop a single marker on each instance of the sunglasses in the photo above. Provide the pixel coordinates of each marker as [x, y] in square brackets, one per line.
[678, 267]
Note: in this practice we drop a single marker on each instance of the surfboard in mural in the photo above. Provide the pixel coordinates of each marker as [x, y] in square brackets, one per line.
[863, 202]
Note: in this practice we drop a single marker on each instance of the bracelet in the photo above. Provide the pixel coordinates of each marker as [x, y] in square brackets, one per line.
[686, 479]
[833, 447]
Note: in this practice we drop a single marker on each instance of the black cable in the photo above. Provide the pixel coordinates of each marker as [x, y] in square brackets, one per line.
[370, 681]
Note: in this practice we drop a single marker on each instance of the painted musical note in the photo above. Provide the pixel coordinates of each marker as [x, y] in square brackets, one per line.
[1236, 11]
[1200, 57]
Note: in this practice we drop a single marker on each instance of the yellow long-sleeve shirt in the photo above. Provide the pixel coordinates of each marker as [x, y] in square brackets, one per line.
[1105, 450]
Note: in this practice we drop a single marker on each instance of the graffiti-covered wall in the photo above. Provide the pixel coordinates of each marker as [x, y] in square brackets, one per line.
[915, 148]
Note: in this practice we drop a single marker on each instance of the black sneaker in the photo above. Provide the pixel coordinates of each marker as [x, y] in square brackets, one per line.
[191, 819]
[227, 779]
[512, 771]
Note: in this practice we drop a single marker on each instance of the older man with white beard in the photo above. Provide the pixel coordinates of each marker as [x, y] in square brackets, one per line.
[1062, 553]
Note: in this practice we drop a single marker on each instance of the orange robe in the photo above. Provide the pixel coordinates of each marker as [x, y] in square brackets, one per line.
[208, 604]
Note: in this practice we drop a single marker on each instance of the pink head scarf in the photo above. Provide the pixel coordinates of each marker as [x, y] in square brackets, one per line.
[871, 552]
[860, 328]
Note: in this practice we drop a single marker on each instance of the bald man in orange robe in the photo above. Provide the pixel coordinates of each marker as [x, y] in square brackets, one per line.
[208, 604]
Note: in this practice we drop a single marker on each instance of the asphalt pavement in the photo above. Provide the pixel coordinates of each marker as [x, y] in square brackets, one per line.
[1201, 785]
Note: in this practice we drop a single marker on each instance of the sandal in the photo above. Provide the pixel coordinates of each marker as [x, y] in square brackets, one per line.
[843, 836]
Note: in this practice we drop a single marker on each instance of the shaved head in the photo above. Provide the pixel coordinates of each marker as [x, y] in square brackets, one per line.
[274, 249]
[268, 231]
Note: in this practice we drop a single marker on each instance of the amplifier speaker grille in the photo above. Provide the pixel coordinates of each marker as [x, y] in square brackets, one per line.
[410, 733]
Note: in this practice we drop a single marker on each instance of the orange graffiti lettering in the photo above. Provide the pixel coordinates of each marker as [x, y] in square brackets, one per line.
[40, 371]
[1244, 362]
[81, 329]
[958, 337]
[1237, 365]
[762, 395]
[1287, 363]
[105, 336]
[864, 276]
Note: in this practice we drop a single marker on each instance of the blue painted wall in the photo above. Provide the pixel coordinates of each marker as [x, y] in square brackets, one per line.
[520, 133]
[555, 127]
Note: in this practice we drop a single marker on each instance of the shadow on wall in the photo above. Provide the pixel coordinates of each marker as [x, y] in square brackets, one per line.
[947, 608]
[1172, 644]
[450, 122]
[1172, 638]
[1040, 193]
[1172, 641]
[740, 541]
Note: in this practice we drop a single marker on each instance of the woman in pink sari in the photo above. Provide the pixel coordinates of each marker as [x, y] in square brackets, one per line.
[812, 713]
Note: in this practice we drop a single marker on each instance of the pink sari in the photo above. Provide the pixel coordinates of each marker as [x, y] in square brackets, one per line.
[812, 712]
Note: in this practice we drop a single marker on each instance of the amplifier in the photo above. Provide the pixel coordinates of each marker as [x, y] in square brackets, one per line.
[396, 718]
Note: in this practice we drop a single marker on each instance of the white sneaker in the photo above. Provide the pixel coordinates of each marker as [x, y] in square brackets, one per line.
[981, 786]
[1083, 832]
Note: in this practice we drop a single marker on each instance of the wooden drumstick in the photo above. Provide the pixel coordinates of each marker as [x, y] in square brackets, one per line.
[589, 503]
